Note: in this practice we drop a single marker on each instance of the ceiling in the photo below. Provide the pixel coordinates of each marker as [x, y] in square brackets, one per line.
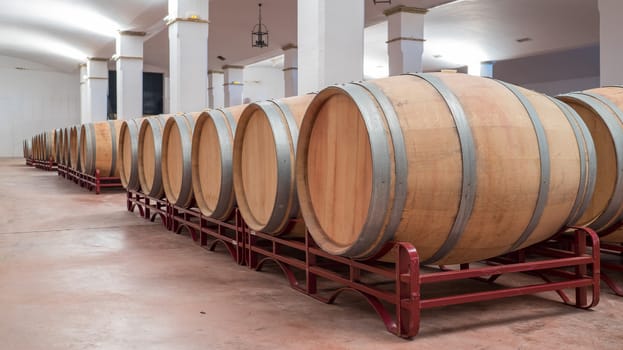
[61, 33]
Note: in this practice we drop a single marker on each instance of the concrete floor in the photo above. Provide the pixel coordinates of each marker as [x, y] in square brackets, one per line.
[77, 271]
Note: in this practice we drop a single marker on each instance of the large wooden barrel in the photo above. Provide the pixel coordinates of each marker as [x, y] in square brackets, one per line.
[65, 150]
[35, 147]
[33, 142]
[149, 155]
[58, 140]
[464, 168]
[74, 147]
[128, 153]
[49, 142]
[52, 145]
[212, 160]
[264, 153]
[39, 147]
[176, 164]
[602, 111]
[98, 147]
[59, 145]
[27, 148]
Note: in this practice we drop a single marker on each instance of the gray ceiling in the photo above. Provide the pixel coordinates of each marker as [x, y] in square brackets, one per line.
[61, 33]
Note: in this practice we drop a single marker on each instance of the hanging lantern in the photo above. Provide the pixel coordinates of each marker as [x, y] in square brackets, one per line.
[259, 35]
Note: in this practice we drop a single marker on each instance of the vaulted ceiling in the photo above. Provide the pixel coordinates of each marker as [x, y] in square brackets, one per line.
[62, 33]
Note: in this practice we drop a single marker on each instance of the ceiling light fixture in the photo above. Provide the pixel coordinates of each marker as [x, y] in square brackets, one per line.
[259, 34]
[376, 2]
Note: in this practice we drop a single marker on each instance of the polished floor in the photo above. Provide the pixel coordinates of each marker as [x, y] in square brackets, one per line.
[77, 271]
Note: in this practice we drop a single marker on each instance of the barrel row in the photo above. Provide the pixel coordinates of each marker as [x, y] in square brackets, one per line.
[41, 146]
[464, 168]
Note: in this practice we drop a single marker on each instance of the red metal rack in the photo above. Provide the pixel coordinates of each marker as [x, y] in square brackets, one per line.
[400, 305]
[47, 165]
[149, 208]
[90, 182]
[209, 233]
[610, 253]
[395, 289]
[611, 260]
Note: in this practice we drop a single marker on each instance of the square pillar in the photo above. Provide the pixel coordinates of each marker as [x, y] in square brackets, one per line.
[166, 97]
[233, 77]
[290, 70]
[129, 62]
[96, 90]
[84, 103]
[405, 39]
[188, 55]
[216, 95]
[330, 42]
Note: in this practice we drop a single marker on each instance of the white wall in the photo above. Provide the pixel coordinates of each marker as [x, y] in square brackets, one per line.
[33, 100]
[262, 83]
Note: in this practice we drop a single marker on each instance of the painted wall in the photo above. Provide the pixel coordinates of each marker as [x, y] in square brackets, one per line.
[553, 73]
[34, 98]
[262, 83]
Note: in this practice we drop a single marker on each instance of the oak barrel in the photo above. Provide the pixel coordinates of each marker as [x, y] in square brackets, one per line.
[264, 154]
[177, 139]
[27, 148]
[149, 155]
[66, 132]
[464, 168]
[212, 161]
[35, 145]
[602, 111]
[74, 147]
[64, 142]
[98, 147]
[58, 139]
[128, 153]
[35, 150]
[49, 145]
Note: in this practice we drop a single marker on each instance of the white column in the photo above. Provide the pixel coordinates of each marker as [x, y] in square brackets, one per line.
[96, 90]
[233, 85]
[129, 64]
[290, 70]
[610, 45]
[216, 96]
[84, 103]
[405, 39]
[166, 95]
[188, 55]
[330, 42]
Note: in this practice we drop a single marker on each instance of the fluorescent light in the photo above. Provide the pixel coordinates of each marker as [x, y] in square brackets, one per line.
[39, 42]
[63, 14]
